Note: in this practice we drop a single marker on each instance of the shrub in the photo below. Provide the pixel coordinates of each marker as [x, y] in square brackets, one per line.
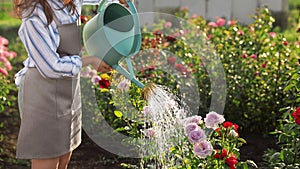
[254, 57]
[287, 132]
[5, 87]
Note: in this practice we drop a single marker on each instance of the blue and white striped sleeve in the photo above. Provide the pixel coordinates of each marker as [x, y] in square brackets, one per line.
[91, 2]
[96, 2]
[41, 48]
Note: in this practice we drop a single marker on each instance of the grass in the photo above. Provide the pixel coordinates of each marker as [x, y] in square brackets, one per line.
[8, 23]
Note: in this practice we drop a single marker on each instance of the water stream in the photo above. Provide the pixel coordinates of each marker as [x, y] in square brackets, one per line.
[165, 114]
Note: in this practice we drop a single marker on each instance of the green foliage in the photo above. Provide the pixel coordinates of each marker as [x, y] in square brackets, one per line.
[4, 90]
[287, 132]
[255, 61]
[7, 20]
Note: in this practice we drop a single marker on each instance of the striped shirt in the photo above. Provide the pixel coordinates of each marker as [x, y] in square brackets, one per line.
[41, 42]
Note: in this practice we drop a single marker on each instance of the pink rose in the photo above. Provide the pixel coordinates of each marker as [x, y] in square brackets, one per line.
[3, 71]
[212, 120]
[272, 34]
[96, 79]
[254, 56]
[150, 132]
[196, 136]
[193, 119]
[3, 41]
[168, 24]
[221, 22]
[124, 85]
[212, 24]
[231, 22]
[190, 127]
[146, 110]
[203, 149]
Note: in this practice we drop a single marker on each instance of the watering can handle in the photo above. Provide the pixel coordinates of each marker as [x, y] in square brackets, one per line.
[137, 31]
[103, 2]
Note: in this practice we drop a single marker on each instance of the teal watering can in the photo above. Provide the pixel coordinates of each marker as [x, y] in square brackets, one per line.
[114, 35]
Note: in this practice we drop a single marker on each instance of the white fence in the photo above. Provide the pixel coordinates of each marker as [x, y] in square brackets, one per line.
[210, 9]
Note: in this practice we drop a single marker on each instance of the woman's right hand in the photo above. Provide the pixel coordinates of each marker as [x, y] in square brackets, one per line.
[97, 63]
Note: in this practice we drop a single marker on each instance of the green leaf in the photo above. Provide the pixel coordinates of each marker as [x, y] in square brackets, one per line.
[172, 149]
[288, 87]
[242, 140]
[118, 113]
[251, 163]
[298, 85]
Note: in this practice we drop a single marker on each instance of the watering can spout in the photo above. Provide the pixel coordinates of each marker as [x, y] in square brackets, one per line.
[138, 83]
[129, 74]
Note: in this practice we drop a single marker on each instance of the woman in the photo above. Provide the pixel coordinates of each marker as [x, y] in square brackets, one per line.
[49, 90]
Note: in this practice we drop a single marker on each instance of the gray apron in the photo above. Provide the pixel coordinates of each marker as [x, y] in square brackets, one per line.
[51, 108]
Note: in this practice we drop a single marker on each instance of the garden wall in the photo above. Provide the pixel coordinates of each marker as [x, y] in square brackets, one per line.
[210, 9]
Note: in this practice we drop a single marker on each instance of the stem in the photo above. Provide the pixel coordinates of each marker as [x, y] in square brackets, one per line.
[296, 151]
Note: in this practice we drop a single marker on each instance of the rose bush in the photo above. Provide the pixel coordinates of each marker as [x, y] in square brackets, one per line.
[5, 66]
[257, 62]
[204, 148]
[287, 132]
[6, 56]
[255, 58]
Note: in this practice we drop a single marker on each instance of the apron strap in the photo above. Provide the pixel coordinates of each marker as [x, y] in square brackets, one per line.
[56, 20]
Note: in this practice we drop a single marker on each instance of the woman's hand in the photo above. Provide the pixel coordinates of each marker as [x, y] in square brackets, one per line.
[96, 63]
[124, 2]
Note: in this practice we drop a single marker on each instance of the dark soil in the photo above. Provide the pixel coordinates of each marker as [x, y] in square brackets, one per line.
[90, 156]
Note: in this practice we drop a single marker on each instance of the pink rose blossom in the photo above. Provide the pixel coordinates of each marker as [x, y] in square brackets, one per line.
[221, 22]
[203, 149]
[150, 132]
[195, 15]
[240, 32]
[3, 59]
[3, 41]
[212, 24]
[190, 127]
[212, 120]
[85, 72]
[272, 34]
[146, 110]
[3, 71]
[196, 136]
[168, 24]
[11, 55]
[124, 85]
[95, 79]
[8, 66]
[254, 56]
[93, 73]
[231, 22]
[209, 36]
[194, 119]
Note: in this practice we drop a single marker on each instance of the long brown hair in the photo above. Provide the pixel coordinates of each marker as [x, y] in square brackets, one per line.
[24, 8]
